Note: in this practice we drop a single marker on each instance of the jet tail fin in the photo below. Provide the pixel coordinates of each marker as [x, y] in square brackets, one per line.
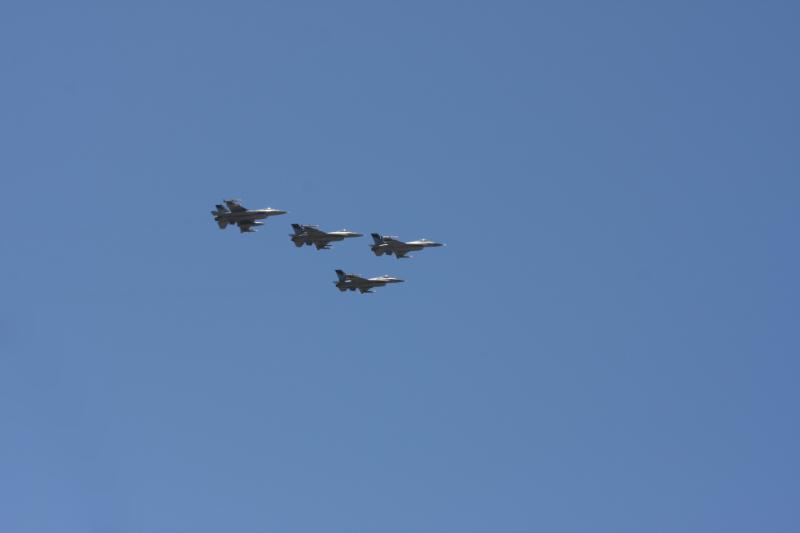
[377, 238]
[298, 229]
[340, 275]
[218, 213]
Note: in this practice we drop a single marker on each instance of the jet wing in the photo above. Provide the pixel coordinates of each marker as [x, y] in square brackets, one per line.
[321, 245]
[400, 255]
[314, 232]
[235, 206]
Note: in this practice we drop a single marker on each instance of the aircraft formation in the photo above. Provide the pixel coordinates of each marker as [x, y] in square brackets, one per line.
[232, 212]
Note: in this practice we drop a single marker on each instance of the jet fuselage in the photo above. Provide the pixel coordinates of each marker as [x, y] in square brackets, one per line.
[352, 282]
[312, 235]
[392, 245]
[252, 214]
[329, 236]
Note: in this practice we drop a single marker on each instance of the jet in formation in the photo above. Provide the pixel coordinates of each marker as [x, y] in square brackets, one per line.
[386, 244]
[309, 235]
[352, 282]
[233, 212]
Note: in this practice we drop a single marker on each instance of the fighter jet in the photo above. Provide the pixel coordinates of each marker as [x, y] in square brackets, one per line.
[386, 244]
[236, 213]
[353, 282]
[309, 235]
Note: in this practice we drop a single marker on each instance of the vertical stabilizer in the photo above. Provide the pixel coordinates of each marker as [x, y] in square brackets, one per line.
[219, 215]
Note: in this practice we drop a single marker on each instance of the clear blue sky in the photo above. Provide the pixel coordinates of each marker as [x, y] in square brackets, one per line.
[609, 343]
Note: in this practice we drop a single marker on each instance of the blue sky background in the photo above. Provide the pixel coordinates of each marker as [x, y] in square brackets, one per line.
[609, 342]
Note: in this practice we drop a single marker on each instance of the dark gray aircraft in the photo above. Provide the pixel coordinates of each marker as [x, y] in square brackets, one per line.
[309, 235]
[352, 282]
[236, 213]
[385, 244]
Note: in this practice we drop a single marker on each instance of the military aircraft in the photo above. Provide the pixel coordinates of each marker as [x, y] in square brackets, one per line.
[236, 213]
[386, 244]
[353, 282]
[309, 235]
